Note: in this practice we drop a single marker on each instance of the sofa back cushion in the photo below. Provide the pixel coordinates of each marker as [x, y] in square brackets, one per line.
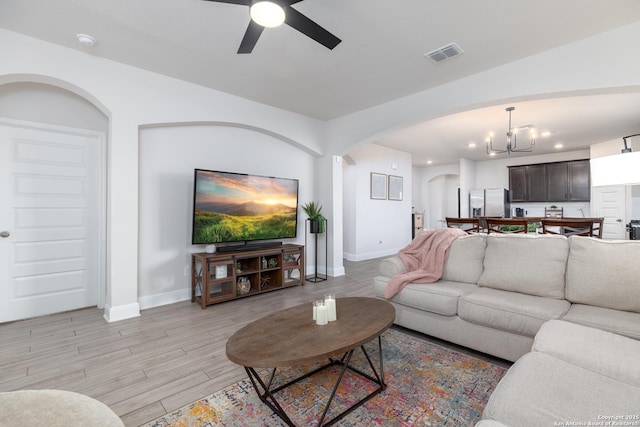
[464, 259]
[530, 264]
[604, 273]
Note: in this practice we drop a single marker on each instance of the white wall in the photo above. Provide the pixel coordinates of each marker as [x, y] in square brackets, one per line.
[378, 227]
[467, 183]
[443, 200]
[168, 156]
[44, 103]
[349, 192]
[569, 69]
[613, 147]
[417, 190]
[132, 98]
[434, 193]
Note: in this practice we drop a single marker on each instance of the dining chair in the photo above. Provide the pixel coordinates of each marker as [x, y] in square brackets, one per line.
[470, 225]
[507, 225]
[598, 223]
[568, 226]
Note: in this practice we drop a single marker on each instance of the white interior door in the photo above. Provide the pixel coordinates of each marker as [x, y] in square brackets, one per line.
[52, 216]
[609, 202]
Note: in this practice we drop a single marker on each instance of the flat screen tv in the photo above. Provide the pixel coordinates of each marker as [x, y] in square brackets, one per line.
[235, 207]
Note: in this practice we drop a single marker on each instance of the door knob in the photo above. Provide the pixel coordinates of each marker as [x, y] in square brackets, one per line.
[619, 220]
[4, 234]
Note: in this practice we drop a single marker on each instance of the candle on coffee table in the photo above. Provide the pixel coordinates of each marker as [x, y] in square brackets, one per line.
[330, 302]
[315, 308]
[321, 314]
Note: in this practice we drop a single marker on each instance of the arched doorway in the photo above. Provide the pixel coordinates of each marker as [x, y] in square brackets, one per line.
[442, 199]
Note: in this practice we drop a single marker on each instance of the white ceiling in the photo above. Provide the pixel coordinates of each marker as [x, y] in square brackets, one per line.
[380, 57]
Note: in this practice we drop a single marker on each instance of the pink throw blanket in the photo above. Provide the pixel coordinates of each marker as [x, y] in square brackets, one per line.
[424, 259]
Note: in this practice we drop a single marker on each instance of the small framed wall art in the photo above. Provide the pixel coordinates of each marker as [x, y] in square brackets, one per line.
[395, 187]
[378, 186]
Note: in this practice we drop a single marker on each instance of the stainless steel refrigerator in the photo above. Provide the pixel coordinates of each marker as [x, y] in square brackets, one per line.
[476, 203]
[490, 202]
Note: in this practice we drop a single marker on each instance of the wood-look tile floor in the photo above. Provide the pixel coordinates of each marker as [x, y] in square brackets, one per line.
[150, 365]
[153, 364]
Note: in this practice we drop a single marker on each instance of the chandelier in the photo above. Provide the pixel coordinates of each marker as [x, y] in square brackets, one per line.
[512, 139]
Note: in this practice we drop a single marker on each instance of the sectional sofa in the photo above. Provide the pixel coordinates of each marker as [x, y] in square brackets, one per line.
[541, 301]
[573, 376]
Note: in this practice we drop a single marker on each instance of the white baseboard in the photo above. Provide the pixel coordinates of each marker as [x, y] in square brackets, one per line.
[370, 255]
[331, 272]
[335, 272]
[121, 312]
[156, 300]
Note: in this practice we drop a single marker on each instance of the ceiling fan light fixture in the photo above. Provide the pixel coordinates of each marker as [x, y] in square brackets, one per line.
[267, 13]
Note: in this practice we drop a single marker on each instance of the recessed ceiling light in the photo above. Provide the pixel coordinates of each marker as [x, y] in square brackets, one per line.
[545, 134]
[86, 40]
[472, 145]
[492, 154]
[429, 162]
[558, 146]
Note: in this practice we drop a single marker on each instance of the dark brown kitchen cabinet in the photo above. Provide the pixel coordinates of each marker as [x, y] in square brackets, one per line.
[536, 183]
[518, 183]
[579, 181]
[557, 182]
[551, 182]
[569, 181]
[528, 183]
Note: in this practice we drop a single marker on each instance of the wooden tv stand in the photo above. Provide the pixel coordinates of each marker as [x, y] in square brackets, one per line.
[219, 277]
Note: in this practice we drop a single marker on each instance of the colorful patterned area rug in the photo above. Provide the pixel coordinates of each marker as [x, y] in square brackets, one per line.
[427, 385]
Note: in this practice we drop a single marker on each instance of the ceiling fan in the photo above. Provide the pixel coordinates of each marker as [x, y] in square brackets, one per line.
[286, 14]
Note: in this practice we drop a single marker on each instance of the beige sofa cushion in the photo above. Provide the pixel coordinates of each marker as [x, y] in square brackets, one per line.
[464, 259]
[625, 323]
[604, 273]
[611, 355]
[509, 311]
[389, 267]
[540, 390]
[530, 264]
[440, 297]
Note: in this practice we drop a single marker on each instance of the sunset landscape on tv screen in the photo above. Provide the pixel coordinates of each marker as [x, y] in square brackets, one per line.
[232, 207]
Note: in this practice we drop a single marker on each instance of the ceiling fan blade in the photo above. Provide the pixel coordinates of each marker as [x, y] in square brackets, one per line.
[250, 37]
[240, 2]
[306, 26]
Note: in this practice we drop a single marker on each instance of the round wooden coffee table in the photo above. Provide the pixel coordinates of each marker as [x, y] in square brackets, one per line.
[291, 337]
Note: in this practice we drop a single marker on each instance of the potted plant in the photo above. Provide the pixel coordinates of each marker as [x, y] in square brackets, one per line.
[316, 220]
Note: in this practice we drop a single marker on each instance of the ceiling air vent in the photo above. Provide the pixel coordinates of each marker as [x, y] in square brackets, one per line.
[444, 52]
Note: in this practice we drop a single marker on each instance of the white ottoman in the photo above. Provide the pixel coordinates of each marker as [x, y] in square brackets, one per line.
[54, 408]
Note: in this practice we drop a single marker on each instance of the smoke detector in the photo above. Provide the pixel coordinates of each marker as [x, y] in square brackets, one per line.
[86, 40]
[445, 52]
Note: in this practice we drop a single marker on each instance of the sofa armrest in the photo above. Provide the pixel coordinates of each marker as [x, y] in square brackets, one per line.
[391, 266]
[593, 349]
